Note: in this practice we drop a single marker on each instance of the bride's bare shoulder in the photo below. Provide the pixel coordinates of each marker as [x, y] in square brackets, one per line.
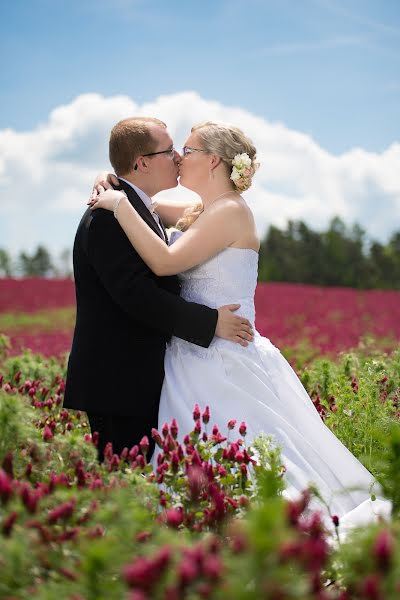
[235, 205]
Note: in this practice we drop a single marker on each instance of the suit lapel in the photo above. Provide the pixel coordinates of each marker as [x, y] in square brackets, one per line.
[140, 207]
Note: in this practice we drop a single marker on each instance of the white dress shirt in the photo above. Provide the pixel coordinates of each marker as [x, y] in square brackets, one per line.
[147, 202]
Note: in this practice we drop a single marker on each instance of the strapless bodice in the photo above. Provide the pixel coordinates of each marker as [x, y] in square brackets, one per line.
[229, 277]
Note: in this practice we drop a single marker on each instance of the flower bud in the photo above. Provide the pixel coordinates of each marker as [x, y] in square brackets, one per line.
[144, 445]
[174, 517]
[206, 415]
[175, 462]
[140, 460]
[114, 462]
[213, 567]
[8, 523]
[47, 433]
[7, 464]
[239, 457]
[62, 512]
[371, 588]
[187, 572]
[134, 451]
[143, 536]
[174, 429]
[5, 487]
[156, 437]
[383, 549]
[196, 412]
[29, 498]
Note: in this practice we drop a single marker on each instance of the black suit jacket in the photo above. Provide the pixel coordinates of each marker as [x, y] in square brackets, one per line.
[125, 316]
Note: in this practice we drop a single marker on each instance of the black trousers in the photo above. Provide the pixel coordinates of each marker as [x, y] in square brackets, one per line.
[122, 432]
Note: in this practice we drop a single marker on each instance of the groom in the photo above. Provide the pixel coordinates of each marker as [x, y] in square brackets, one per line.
[126, 313]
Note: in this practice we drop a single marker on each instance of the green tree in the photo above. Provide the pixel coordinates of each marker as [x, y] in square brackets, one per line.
[338, 256]
[37, 265]
[5, 264]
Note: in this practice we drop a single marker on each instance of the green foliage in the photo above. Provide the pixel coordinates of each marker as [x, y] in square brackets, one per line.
[5, 263]
[34, 367]
[339, 256]
[364, 390]
[4, 347]
[58, 319]
[38, 264]
[387, 463]
[16, 424]
[116, 541]
[370, 562]
[336, 257]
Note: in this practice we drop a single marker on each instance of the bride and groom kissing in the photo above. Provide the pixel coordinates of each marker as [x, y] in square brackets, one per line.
[127, 312]
[149, 344]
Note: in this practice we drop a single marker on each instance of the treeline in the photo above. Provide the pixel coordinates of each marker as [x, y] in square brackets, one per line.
[340, 256]
[38, 264]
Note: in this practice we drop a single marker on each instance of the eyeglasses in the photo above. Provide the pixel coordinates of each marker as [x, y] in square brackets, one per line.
[187, 150]
[170, 151]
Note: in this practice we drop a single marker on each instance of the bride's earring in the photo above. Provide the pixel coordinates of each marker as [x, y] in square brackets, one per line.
[211, 174]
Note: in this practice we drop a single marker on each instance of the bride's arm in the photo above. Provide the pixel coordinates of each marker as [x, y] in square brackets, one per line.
[214, 230]
[171, 211]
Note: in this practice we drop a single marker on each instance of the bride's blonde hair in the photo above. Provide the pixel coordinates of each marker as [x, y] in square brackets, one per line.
[225, 141]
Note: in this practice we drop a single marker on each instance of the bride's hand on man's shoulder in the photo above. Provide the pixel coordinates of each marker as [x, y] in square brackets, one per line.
[104, 181]
[109, 199]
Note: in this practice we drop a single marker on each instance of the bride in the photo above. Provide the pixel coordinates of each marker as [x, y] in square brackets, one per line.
[215, 253]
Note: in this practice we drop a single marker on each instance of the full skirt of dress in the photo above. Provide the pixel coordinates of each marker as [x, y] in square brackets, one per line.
[257, 385]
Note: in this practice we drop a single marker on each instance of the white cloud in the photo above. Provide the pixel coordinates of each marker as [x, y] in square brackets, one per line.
[46, 174]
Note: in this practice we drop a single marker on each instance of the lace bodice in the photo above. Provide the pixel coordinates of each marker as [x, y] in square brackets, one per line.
[230, 277]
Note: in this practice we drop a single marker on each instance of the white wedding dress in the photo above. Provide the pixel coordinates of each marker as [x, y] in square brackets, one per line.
[257, 385]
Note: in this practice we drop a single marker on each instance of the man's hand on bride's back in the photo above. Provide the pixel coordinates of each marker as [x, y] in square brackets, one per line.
[233, 327]
[104, 181]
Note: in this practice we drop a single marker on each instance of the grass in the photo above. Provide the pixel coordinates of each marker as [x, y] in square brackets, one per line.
[58, 319]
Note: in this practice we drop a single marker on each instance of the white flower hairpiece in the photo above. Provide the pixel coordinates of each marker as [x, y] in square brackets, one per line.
[243, 170]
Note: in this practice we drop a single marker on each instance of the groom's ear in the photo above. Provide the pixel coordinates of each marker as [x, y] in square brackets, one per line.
[140, 164]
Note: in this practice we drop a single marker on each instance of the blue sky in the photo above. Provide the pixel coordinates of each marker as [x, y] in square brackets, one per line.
[315, 83]
[330, 68]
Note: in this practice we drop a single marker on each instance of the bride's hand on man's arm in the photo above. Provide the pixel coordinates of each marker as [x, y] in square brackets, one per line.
[104, 181]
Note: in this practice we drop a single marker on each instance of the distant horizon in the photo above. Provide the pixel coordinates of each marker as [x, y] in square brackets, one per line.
[368, 239]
